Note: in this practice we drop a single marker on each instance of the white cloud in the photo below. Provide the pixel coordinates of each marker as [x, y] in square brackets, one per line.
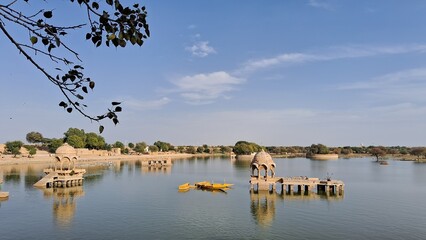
[255, 65]
[333, 53]
[201, 49]
[204, 88]
[320, 4]
[192, 26]
[146, 105]
[400, 80]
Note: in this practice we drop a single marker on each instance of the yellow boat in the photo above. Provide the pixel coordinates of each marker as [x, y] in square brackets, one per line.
[184, 186]
[219, 186]
[228, 185]
[202, 184]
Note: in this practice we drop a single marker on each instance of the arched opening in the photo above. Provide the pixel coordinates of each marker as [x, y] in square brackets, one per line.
[263, 171]
[66, 164]
[57, 163]
[254, 171]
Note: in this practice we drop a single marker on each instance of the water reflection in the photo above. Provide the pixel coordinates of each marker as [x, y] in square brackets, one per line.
[262, 206]
[64, 203]
[262, 203]
[163, 170]
[241, 164]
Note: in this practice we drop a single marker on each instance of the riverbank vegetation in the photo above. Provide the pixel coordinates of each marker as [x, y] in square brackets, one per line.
[78, 138]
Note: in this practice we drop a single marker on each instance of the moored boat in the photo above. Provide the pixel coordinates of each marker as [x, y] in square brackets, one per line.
[184, 186]
[4, 195]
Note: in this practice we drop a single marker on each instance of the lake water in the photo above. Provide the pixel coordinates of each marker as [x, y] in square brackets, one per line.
[127, 201]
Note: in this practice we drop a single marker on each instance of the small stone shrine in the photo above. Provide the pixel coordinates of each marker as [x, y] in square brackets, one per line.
[263, 179]
[64, 173]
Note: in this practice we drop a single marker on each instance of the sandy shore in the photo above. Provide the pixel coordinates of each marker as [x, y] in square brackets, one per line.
[10, 160]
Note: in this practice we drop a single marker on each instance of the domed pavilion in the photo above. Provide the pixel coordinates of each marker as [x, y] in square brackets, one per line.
[64, 173]
[66, 156]
[262, 166]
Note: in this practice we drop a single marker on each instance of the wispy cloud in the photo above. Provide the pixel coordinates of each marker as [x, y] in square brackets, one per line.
[201, 49]
[320, 4]
[205, 88]
[192, 26]
[332, 53]
[400, 80]
[146, 104]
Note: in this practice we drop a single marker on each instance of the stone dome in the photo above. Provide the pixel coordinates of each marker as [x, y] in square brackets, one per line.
[262, 158]
[66, 149]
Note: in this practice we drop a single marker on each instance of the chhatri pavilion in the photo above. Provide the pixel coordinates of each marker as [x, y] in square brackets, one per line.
[64, 173]
[263, 179]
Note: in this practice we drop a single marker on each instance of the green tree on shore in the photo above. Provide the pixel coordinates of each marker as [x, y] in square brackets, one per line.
[76, 141]
[140, 147]
[153, 148]
[54, 143]
[120, 145]
[34, 137]
[246, 148]
[163, 146]
[418, 151]
[377, 152]
[32, 150]
[191, 150]
[14, 147]
[95, 141]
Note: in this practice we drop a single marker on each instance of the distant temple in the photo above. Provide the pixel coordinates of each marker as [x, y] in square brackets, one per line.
[64, 173]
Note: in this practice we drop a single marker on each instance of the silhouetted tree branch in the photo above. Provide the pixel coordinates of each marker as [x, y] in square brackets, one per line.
[116, 27]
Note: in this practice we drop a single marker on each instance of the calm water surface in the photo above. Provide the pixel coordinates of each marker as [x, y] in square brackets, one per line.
[127, 201]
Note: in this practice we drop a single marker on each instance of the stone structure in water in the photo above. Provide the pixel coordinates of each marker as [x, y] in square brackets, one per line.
[263, 179]
[64, 173]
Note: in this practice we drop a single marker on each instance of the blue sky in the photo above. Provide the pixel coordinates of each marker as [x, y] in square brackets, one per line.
[272, 72]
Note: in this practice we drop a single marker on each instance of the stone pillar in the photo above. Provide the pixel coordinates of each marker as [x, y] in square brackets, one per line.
[308, 188]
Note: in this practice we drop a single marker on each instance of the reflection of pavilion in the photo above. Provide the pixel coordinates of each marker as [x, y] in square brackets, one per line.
[3, 195]
[165, 170]
[64, 203]
[262, 203]
[262, 206]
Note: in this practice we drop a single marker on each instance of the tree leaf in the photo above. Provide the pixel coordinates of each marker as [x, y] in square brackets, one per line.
[111, 36]
[48, 14]
[116, 103]
[63, 104]
[45, 41]
[84, 88]
[33, 40]
[92, 85]
[101, 129]
[118, 109]
[69, 109]
[95, 5]
[115, 121]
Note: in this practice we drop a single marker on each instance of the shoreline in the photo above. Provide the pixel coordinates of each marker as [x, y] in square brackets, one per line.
[7, 160]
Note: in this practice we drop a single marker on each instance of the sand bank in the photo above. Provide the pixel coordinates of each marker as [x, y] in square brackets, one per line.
[10, 160]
